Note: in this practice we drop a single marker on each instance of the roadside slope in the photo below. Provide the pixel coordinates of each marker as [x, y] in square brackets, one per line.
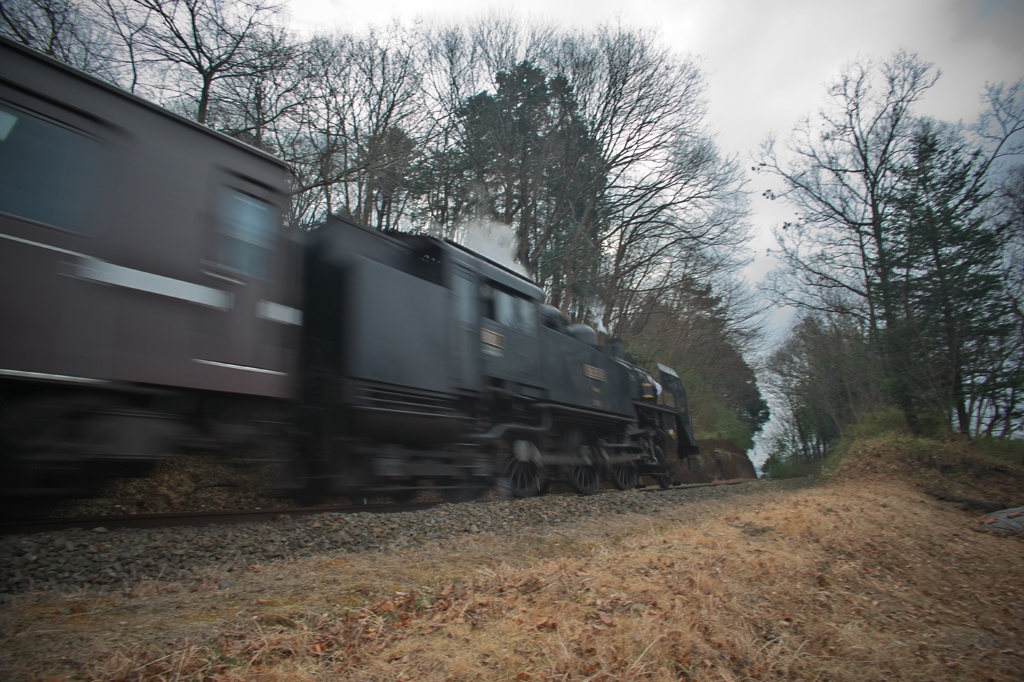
[854, 580]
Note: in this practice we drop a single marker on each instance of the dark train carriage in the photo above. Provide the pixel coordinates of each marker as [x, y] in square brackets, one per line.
[137, 250]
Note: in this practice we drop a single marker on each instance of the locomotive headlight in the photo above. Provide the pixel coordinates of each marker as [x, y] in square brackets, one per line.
[671, 433]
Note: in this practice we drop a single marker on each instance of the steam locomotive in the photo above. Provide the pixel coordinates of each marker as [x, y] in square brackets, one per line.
[153, 302]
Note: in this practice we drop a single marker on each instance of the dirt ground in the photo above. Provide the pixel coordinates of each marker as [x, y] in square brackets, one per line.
[856, 579]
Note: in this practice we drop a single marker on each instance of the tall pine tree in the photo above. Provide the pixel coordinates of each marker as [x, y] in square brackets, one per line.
[953, 297]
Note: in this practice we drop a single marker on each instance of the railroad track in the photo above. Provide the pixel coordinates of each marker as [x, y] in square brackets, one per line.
[205, 518]
[200, 518]
[683, 486]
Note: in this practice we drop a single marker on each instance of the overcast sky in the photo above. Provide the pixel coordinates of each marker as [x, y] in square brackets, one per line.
[766, 62]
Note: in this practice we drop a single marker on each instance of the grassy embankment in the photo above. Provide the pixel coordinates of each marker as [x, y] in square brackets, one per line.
[862, 576]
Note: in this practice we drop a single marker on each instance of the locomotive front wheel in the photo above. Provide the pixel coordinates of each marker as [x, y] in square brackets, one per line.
[584, 478]
[523, 479]
[665, 481]
[625, 476]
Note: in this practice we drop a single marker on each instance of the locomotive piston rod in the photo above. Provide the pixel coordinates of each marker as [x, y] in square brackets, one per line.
[499, 431]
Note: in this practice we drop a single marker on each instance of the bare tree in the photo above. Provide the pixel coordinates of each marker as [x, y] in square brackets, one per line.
[386, 117]
[823, 377]
[197, 41]
[360, 119]
[451, 72]
[668, 190]
[255, 106]
[839, 172]
[63, 29]
[895, 229]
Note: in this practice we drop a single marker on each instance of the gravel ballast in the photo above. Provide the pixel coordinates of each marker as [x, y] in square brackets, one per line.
[72, 560]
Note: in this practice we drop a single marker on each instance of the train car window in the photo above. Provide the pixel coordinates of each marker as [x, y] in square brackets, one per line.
[464, 299]
[510, 310]
[526, 315]
[49, 173]
[487, 307]
[247, 229]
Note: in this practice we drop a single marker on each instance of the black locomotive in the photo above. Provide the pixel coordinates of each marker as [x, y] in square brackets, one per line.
[153, 302]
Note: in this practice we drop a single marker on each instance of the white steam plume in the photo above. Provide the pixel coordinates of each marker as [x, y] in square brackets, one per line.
[596, 315]
[492, 240]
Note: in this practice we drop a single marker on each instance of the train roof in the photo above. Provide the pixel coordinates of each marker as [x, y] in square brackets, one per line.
[490, 268]
[502, 275]
[507, 273]
[25, 80]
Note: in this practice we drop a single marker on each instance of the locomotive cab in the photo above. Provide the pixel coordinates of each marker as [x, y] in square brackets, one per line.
[673, 386]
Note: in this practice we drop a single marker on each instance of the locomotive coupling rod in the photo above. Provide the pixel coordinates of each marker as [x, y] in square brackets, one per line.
[499, 431]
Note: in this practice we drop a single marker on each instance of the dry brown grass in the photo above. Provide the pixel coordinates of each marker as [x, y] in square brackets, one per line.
[953, 467]
[853, 580]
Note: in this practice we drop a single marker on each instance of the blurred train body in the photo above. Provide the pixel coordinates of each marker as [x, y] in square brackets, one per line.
[423, 360]
[147, 293]
[152, 301]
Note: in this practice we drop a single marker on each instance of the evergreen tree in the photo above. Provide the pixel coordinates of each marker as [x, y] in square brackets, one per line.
[953, 295]
[535, 167]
